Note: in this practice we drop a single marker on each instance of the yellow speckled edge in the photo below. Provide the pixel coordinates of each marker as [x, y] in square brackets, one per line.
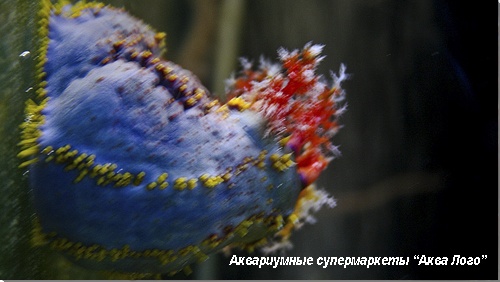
[247, 233]
[30, 131]
[109, 174]
[308, 198]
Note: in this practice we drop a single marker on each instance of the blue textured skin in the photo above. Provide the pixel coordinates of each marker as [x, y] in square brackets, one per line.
[119, 112]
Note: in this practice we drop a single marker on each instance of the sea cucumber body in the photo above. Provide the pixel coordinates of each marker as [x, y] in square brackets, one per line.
[133, 158]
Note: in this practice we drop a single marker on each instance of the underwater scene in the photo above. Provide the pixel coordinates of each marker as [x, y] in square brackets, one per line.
[233, 139]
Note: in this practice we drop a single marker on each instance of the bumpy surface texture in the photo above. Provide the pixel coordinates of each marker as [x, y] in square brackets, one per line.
[133, 166]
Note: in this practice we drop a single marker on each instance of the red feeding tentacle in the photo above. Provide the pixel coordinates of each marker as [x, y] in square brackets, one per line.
[297, 104]
[310, 165]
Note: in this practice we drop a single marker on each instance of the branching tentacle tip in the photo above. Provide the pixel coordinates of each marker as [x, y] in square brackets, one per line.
[297, 103]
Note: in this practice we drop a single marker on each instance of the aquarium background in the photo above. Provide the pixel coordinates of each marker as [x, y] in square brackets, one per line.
[418, 173]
